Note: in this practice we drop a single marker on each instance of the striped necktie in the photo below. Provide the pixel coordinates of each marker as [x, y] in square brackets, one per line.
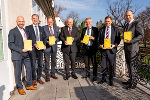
[107, 33]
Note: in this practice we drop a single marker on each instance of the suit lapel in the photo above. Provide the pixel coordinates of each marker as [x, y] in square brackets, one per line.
[92, 33]
[19, 34]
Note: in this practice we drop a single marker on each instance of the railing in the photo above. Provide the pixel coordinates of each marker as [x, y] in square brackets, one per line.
[143, 66]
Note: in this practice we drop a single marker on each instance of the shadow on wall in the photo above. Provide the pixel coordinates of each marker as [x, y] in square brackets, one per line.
[93, 93]
[2, 88]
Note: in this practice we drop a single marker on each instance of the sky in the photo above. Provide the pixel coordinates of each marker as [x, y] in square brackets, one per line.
[96, 9]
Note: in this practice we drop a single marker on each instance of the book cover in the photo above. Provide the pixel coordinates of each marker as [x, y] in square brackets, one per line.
[51, 40]
[107, 43]
[69, 40]
[40, 45]
[28, 44]
[127, 35]
[86, 39]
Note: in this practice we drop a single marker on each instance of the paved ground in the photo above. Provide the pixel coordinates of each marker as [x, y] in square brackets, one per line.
[81, 89]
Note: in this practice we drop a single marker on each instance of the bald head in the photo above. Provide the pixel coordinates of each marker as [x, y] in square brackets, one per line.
[70, 22]
[20, 21]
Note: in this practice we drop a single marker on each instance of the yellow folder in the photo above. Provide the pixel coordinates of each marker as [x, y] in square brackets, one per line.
[107, 43]
[40, 45]
[51, 40]
[127, 35]
[69, 40]
[28, 44]
[86, 39]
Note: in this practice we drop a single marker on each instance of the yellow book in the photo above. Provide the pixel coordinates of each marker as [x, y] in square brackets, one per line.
[86, 39]
[51, 40]
[127, 35]
[107, 43]
[28, 44]
[40, 45]
[69, 40]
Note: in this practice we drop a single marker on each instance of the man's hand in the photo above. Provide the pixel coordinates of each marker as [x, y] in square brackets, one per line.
[91, 37]
[101, 46]
[72, 39]
[128, 41]
[65, 42]
[36, 46]
[25, 50]
[44, 47]
[81, 41]
[112, 46]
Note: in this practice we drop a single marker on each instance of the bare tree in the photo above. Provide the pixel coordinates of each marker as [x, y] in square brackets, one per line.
[58, 9]
[75, 17]
[117, 10]
[144, 17]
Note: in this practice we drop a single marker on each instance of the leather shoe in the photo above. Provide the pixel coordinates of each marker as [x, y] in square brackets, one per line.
[40, 81]
[130, 87]
[34, 82]
[47, 79]
[126, 83]
[31, 88]
[102, 81]
[94, 79]
[111, 83]
[21, 91]
[54, 77]
[74, 75]
[66, 77]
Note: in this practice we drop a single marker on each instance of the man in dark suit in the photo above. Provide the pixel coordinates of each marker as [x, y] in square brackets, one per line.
[51, 49]
[69, 51]
[131, 48]
[90, 48]
[108, 32]
[36, 33]
[20, 55]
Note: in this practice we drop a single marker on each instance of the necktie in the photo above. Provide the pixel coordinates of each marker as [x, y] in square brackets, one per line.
[69, 31]
[24, 35]
[88, 31]
[51, 31]
[36, 33]
[107, 33]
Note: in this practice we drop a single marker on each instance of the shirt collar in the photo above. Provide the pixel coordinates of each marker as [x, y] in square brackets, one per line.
[34, 25]
[131, 21]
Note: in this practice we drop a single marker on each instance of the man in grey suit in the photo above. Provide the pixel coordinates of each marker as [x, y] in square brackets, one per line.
[69, 51]
[20, 55]
[131, 48]
[51, 49]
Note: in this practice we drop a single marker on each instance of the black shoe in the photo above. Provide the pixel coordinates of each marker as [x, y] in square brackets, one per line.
[67, 77]
[111, 83]
[126, 83]
[94, 78]
[102, 81]
[130, 87]
[74, 75]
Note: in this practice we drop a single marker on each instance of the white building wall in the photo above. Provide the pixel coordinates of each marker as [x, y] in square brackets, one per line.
[10, 10]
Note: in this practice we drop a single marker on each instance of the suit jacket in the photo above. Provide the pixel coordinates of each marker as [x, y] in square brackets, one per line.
[94, 33]
[64, 34]
[31, 33]
[137, 35]
[115, 37]
[15, 43]
[56, 34]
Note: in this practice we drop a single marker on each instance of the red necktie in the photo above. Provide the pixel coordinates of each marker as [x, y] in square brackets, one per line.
[51, 31]
[107, 33]
[69, 31]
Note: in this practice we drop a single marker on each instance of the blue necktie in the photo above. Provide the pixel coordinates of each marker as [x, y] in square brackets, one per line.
[88, 31]
[36, 33]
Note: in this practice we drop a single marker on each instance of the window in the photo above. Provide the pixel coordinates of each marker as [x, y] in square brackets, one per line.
[1, 39]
